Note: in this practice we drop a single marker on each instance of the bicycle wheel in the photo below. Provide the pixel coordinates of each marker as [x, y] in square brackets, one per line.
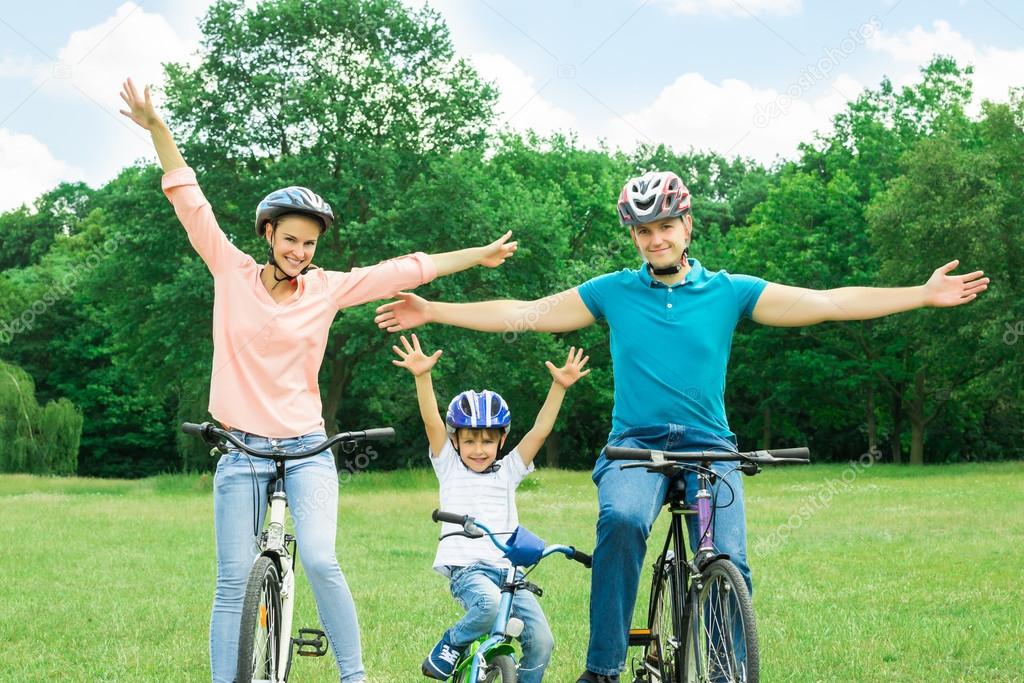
[501, 669]
[260, 635]
[664, 653]
[726, 633]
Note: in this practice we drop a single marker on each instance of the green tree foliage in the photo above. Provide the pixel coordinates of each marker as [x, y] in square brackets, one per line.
[104, 304]
[36, 439]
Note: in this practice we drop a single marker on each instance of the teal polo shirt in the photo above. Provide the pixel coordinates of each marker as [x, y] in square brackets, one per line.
[670, 344]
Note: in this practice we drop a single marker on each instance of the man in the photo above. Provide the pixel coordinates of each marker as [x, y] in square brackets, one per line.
[671, 324]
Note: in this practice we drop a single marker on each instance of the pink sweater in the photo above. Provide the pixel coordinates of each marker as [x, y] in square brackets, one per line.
[266, 355]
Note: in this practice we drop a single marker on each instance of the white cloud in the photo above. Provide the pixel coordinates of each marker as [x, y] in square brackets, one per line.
[132, 42]
[17, 67]
[732, 118]
[995, 69]
[28, 169]
[732, 7]
[520, 104]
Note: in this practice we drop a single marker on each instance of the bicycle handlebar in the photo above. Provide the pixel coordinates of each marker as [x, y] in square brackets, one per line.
[215, 436]
[776, 456]
[474, 528]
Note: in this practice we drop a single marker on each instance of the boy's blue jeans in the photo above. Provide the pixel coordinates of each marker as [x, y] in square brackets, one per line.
[628, 503]
[478, 589]
[312, 488]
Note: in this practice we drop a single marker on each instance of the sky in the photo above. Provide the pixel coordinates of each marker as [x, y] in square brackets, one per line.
[740, 77]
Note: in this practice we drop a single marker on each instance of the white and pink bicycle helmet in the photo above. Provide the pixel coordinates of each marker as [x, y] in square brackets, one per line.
[653, 196]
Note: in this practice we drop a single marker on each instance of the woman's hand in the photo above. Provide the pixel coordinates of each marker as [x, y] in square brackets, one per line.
[495, 253]
[408, 312]
[943, 290]
[572, 370]
[140, 109]
[413, 358]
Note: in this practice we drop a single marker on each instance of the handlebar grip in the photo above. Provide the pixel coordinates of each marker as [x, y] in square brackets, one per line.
[193, 429]
[450, 517]
[379, 434]
[581, 557]
[622, 453]
[802, 452]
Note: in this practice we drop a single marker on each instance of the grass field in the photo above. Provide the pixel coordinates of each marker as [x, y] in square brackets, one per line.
[861, 574]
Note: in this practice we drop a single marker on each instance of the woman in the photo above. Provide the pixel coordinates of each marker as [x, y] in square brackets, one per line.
[270, 325]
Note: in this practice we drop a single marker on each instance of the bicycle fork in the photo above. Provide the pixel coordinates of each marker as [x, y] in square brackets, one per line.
[273, 543]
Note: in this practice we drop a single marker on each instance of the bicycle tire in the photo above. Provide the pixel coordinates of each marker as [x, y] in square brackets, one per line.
[664, 651]
[501, 669]
[260, 631]
[724, 614]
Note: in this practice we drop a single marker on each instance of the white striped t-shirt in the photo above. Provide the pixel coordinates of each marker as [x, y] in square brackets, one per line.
[490, 497]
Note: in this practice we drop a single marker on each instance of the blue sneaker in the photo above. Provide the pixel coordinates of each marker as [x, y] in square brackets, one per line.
[440, 663]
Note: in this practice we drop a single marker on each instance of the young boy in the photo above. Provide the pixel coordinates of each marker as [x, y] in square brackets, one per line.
[464, 450]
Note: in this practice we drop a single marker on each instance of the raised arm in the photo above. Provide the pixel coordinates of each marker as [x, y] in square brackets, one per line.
[783, 306]
[491, 256]
[419, 364]
[562, 378]
[141, 111]
[562, 312]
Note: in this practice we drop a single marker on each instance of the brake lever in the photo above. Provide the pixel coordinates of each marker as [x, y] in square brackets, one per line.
[667, 468]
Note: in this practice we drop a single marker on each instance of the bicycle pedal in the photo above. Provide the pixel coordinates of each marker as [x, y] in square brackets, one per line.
[640, 636]
[312, 642]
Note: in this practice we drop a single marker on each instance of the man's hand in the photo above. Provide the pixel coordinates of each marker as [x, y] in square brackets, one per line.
[408, 312]
[943, 290]
[495, 253]
[413, 358]
[568, 374]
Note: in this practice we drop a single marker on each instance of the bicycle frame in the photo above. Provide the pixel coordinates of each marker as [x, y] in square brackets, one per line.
[505, 626]
[273, 542]
[676, 544]
[688, 574]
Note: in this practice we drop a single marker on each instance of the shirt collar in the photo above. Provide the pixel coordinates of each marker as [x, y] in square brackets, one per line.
[695, 273]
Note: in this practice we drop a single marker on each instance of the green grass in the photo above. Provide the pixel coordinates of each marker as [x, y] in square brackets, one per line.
[903, 575]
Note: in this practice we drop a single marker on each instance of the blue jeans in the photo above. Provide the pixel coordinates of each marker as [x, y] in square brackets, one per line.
[312, 488]
[478, 589]
[629, 501]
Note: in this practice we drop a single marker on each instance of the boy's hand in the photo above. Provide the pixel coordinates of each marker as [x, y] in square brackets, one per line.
[495, 253]
[140, 108]
[413, 358]
[572, 370]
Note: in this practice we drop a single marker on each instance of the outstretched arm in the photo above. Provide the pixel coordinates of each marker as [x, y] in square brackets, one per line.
[563, 378]
[419, 364]
[782, 306]
[141, 111]
[562, 312]
[491, 255]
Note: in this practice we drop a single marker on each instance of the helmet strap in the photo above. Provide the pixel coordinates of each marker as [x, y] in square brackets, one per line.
[674, 268]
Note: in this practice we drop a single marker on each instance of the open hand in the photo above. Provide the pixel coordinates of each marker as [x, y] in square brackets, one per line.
[944, 290]
[140, 108]
[408, 312]
[495, 253]
[413, 358]
[572, 370]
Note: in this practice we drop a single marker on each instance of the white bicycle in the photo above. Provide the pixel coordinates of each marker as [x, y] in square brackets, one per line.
[265, 644]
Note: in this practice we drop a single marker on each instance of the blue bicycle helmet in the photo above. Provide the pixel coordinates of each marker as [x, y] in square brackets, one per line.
[478, 410]
[293, 200]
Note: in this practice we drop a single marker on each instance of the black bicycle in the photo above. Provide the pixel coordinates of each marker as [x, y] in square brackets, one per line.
[700, 621]
[265, 643]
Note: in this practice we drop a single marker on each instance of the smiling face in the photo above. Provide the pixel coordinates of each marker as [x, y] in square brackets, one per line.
[661, 243]
[294, 242]
[478, 448]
